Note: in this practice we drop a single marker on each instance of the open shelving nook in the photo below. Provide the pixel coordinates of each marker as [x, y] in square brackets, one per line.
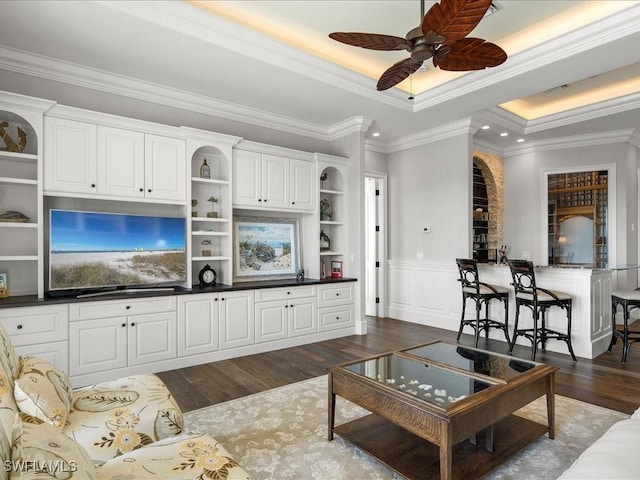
[21, 253]
[331, 218]
[210, 222]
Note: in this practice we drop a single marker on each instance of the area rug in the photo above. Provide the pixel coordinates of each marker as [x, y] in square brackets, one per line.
[282, 434]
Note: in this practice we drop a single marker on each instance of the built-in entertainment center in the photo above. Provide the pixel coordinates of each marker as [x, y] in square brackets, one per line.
[108, 223]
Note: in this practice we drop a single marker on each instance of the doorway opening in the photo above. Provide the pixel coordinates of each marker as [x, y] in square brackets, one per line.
[375, 243]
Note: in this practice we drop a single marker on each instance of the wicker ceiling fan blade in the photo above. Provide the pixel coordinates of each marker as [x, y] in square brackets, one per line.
[397, 73]
[372, 41]
[454, 19]
[471, 54]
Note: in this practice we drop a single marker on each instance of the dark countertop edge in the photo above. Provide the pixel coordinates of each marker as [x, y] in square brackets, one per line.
[33, 300]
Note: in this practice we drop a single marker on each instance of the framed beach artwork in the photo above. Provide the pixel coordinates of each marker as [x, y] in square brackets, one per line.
[265, 248]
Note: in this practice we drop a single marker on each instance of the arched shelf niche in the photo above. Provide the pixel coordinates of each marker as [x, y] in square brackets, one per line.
[488, 205]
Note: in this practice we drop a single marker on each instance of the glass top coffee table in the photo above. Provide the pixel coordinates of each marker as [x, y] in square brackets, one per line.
[442, 393]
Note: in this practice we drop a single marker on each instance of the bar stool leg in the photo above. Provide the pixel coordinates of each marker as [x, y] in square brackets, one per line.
[573, 355]
[614, 336]
[534, 347]
[464, 305]
[625, 333]
[478, 310]
[506, 319]
[515, 329]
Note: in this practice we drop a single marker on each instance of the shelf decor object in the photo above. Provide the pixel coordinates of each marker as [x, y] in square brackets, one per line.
[325, 242]
[326, 211]
[194, 204]
[212, 213]
[9, 144]
[13, 216]
[205, 169]
[265, 248]
[336, 269]
[4, 287]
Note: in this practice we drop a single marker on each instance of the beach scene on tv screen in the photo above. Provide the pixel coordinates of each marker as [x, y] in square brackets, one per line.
[90, 250]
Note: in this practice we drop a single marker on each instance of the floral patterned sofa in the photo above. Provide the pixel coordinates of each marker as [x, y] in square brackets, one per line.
[129, 428]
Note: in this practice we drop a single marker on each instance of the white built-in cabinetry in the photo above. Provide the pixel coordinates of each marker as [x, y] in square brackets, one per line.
[270, 181]
[332, 211]
[114, 334]
[39, 331]
[86, 159]
[285, 312]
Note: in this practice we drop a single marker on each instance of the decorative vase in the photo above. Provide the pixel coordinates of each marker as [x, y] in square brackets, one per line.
[194, 214]
[212, 214]
[206, 253]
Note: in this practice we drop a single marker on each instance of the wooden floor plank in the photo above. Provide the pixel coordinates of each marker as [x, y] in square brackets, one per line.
[602, 381]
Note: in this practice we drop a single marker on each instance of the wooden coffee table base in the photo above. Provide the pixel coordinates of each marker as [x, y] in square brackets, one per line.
[415, 458]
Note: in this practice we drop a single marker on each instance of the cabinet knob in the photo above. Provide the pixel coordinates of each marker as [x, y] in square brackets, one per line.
[93, 185]
[123, 325]
[142, 189]
[149, 190]
[337, 294]
[265, 200]
[259, 199]
[337, 318]
[133, 324]
[286, 306]
[288, 293]
[215, 299]
[19, 327]
[128, 307]
[222, 299]
[293, 203]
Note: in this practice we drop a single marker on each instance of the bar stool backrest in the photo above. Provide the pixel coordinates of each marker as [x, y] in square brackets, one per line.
[468, 269]
[524, 278]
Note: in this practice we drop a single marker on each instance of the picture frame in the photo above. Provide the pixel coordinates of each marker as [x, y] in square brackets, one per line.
[265, 248]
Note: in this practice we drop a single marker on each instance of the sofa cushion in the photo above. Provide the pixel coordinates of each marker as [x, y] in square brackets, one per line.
[43, 391]
[113, 418]
[186, 456]
[611, 456]
[40, 451]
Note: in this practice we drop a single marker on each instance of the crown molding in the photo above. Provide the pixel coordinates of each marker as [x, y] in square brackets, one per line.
[349, 126]
[12, 101]
[450, 130]
[575, 141]
[42, 67]
[487, 147]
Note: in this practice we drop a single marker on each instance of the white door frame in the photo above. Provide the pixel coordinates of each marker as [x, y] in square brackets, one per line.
[379, 212]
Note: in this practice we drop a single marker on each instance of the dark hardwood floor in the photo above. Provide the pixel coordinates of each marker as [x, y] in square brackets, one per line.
[602, 381]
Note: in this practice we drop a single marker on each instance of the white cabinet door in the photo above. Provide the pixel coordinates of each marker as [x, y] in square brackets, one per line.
[70, 159]
[97, 345]
[302, 317]
[56, 353]
[275, 182]
[198, 324]
[120, 162]
[247, 179]
[271, 321]
[303, 185]
[237, 319]
[152, 337]
[165, 168]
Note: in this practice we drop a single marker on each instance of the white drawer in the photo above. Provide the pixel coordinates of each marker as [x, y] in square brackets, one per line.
[31, 325]
[54, 352]
[335, 294]
[267, 294]
[332, 318]
[118, 308]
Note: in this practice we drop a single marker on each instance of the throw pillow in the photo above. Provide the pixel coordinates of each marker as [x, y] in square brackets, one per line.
[42, 451]
[43, 391]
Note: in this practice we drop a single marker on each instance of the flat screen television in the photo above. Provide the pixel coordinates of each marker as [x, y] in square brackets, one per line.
[93, 251]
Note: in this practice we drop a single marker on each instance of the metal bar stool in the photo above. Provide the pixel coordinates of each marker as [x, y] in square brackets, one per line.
[629, 300]
[481, 293]
[538, 300]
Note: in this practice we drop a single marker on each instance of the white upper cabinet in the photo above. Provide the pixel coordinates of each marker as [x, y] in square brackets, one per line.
[247, 179]
[164, 172]
[302, 193]
[273, 182]
[120, 162]
[70, 163]
[85, 159]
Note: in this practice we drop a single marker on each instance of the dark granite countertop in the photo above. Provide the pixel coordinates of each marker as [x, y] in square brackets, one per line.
[33, 300]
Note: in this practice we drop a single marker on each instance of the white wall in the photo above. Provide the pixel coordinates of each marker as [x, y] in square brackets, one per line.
[429, 186]
[375, 161]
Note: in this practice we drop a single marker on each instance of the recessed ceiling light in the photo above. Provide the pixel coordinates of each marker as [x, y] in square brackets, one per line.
[485, 127]
[375, 134]
[504, 134]
[520, 140]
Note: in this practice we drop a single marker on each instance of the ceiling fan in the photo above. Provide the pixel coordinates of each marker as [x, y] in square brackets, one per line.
[441, 36]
